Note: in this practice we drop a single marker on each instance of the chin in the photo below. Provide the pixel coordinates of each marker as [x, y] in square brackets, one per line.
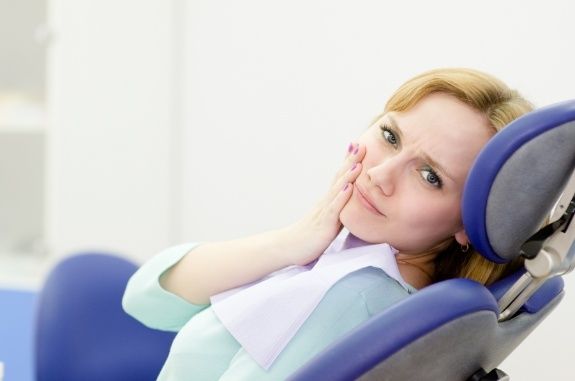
[360, 227]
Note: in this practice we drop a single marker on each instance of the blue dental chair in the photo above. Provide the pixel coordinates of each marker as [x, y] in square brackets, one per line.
[82, 332]
[458, 329]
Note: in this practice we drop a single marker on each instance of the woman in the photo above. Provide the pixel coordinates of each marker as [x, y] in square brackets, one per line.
[400, 184]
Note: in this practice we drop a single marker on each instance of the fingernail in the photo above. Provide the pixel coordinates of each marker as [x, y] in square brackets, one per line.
[350, 147]
[353, 167]
[356, 150]
[345, 187]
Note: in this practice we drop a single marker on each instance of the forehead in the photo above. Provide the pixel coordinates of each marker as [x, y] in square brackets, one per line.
[445, 129]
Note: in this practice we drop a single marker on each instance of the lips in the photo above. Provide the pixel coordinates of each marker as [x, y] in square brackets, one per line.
[366, 201]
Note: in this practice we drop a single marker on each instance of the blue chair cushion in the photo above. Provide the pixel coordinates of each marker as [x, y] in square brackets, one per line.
[84, 334]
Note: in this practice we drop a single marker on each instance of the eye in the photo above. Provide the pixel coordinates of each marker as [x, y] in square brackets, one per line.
[389, 135]
[431, 177]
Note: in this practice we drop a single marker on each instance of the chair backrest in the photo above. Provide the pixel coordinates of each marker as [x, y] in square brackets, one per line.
[16, 333]
[82, 332]
[452, 329]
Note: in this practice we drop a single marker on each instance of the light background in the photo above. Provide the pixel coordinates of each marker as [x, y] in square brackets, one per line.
[172, 121]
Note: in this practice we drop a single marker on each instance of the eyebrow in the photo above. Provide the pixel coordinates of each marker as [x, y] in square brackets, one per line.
[428, 159]
[393, 123]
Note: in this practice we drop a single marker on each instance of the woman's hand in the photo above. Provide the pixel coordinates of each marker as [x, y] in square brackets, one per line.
[214, 267]
[312, 234]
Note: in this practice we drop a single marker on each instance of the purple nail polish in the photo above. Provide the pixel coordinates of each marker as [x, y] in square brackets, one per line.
[345, 187]
[356, 150]
[353, 167]
[350, 147]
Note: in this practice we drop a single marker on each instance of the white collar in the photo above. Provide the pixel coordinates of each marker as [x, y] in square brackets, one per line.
[265, 315]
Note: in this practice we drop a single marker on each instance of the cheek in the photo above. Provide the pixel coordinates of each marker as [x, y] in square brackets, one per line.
[373, 153]
[423, 225]
[436, 217]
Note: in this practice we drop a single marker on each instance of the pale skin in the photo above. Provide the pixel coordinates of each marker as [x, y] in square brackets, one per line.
[400, 183]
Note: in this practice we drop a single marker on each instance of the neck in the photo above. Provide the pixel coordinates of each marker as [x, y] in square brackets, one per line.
[418, 269]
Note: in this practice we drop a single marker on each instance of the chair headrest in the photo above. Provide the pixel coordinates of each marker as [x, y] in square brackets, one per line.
[516, 179]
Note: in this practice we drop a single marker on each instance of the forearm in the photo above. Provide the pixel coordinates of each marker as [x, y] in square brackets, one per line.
[215, 267]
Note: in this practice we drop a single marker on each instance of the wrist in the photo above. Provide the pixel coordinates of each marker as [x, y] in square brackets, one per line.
[302, 243]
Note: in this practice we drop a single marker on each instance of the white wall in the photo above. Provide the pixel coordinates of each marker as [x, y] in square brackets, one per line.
[195, 120]
[111, 104]
[274, 91]
[21, 53]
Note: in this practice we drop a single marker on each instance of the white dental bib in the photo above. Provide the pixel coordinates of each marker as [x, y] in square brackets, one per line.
[265, 315]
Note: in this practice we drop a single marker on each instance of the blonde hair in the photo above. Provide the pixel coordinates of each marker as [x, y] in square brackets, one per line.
[500, 105]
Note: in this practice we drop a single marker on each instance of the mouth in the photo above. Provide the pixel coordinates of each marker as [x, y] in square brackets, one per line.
[365, 201]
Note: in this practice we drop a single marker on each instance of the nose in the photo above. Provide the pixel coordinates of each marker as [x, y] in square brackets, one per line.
[385, 174]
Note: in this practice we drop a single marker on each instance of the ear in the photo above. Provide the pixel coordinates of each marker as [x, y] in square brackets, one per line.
[461, 237]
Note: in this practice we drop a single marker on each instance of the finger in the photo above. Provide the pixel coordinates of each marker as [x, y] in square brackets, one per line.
[353, 172]
[348, 177]
[350, 149]
[355, 153]
[358, 153]
[333, 210]
[346, 163]
[353, 159]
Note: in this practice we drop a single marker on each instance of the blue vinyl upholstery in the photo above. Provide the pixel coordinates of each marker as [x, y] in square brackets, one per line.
[82, 332]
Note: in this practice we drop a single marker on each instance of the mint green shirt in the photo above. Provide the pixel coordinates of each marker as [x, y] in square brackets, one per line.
[204, 350]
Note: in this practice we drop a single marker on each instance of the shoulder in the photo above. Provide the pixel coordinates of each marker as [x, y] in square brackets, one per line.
[370, 288]
[351, 301]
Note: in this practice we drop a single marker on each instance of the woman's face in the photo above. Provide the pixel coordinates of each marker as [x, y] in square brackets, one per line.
[409, 190]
